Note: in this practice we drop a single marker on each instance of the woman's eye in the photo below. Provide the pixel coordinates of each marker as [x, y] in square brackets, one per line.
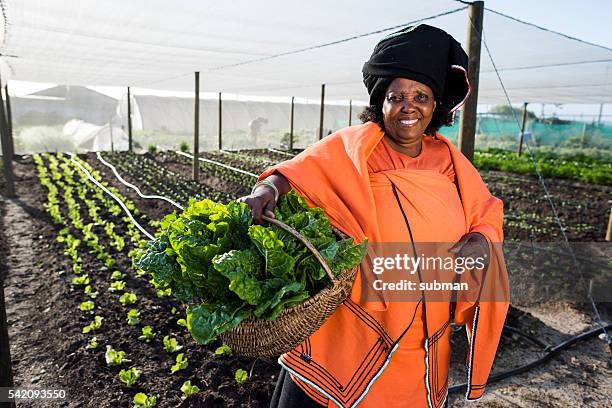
[422, 98]
[395, 98]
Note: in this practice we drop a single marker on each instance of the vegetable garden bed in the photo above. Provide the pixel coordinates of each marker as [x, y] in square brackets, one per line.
[46, 325]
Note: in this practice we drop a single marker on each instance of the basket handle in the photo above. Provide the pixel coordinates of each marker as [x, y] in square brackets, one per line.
[304, 241]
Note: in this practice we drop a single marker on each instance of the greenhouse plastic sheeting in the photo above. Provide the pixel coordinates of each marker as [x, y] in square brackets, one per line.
[278, 48]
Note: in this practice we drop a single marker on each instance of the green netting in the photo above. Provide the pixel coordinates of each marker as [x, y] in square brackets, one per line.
[502, 132]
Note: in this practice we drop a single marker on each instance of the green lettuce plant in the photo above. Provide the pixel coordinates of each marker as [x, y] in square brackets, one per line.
[213, 257]
[129, 377]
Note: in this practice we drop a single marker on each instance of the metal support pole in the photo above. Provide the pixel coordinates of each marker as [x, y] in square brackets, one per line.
[609, 233]
[467, 124]
[129, 106]
[520, 146]
[196, 129]
[322, 111]
[7, 160]
[291, 125]
[9, 118]
[220, 123]
[350, 111]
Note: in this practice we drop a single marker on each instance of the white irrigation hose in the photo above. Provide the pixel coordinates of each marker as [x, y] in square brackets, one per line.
[133, 187]
[107, 191]
[281, 152]
[248, 173]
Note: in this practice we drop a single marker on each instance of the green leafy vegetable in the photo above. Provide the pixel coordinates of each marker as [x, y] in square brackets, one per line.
[133, 317]
[171, 344]
[187, 389]
[227, 269]
[128, 298]
[114, 357]
[147, 334]
[129, 377]
[241, 376]
[93, 326]
[141, 400]
[181, 363]
[223, 350]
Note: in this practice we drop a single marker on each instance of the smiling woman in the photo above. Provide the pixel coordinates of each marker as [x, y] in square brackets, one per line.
[394, 179]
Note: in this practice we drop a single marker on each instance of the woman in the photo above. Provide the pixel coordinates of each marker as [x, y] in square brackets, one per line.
[393, 179]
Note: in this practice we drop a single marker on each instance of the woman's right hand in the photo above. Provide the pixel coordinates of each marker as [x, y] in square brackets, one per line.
[261, 202]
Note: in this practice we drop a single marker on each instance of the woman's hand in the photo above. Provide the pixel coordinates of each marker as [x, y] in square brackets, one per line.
[262, 201]
[472, 245]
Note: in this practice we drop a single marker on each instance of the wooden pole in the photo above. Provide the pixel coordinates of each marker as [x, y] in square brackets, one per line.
[291, 125]
[350, 111]
[196, 129]
[111, 134]
[7, 162]
[524, 119]
[600, 111]
[6, 373]
[220, 123]
[609, 232]
[129, 106]
[467, 124]
[322, 111]
[9, 116]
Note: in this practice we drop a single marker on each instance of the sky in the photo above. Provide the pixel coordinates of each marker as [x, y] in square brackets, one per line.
[588, 20]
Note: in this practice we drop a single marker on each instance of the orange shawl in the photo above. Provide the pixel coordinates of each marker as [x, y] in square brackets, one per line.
[333, 174]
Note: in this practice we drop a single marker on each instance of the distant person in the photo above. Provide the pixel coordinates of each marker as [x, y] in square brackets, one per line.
[255, 129]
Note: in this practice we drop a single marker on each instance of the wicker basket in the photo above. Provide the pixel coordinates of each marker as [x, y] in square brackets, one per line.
[271, 338]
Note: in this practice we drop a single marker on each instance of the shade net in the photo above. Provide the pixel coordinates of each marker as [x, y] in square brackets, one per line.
[283, 48]
[279, 50]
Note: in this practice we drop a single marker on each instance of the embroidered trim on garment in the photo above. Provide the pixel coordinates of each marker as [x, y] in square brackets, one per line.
[472, 342]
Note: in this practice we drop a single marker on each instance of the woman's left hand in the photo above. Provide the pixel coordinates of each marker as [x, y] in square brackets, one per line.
[472, 245]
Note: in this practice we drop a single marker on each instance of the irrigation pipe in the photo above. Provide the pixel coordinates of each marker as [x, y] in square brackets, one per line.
[132, 186]
[248, 173]
[107, 191]
[280, 152]
[553, 351]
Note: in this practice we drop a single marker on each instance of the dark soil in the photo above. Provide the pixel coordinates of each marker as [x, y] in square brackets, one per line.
[41, 301]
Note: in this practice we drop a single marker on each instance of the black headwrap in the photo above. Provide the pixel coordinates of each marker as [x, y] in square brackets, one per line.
[424, 54]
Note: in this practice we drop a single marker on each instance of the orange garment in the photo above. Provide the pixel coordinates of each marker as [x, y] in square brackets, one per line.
[359, 355]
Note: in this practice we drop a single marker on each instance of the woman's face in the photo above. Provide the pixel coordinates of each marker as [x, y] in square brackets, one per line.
[407, 110]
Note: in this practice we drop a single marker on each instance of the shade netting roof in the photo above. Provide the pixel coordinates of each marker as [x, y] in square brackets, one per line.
[279, 47]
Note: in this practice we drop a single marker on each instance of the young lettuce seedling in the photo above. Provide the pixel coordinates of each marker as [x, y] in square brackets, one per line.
[89, 292]
[87, 306]
[128, 298]
[241, 376]
[93, 344]
[171, 344]
[133, 317]
[181, 363]
[129, 377]
[93, 326]
[147, 334]
[115, 357]
[116, 286]
[187, 389]
[117, 275]
[80, 280]
[224, 350]
[141, 400]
